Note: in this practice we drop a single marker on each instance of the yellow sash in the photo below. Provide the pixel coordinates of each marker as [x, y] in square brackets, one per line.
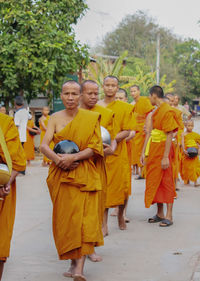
[190, 143]
[156, 136]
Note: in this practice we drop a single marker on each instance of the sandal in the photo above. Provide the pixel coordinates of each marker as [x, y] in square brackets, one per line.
[155, 219]
[165, 223]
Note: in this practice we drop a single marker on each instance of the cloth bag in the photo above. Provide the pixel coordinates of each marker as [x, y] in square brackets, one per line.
[5, 168]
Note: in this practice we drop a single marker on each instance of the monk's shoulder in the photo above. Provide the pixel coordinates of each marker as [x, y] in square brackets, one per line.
[104, 111]
[6, 121]
[88, 114]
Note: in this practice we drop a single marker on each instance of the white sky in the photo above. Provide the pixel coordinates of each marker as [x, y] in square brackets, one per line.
[180, 16]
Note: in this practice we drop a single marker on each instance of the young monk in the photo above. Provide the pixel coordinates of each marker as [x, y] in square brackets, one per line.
[117, 164]
[8, 192]
[29, 146]
[3, 109]
[43, 122]
[160, 186]
[142, 108]
[74, 182]
[89, 99]
[190, 166]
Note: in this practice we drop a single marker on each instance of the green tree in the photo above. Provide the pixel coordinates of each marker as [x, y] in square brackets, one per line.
[38, 46]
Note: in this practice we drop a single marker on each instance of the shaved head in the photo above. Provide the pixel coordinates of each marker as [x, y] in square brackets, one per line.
[87, 82]
[71, 82]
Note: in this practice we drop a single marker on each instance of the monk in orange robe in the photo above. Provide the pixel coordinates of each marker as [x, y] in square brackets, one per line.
[89, 99]
[74, 182]
[43, 122]
[142, 107]
[29, 146]
[190, 166]
[160, 186]
[8, 192]
[117, 164]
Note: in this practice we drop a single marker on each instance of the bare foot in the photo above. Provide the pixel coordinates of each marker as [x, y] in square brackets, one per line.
[71, 271]
[79, 277]
[94, 257]
[121, 222]
[115, 212]
[105, 230]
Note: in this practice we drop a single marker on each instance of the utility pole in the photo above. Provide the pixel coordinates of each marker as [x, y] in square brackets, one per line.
[158, 59]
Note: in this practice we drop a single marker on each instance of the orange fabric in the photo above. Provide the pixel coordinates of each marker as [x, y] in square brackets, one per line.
[141, 109]
[190, 168]
[45, 159]
[29, 146]
[7, 206]
[74, 194]
[117, 167]
[159, 183]
[129, 151]
[107, 121]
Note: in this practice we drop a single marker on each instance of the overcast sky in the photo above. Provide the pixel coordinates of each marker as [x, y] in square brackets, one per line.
[180, 16]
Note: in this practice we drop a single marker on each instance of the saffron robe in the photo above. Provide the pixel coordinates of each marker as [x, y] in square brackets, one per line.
[141, 109]
[160, 186]
[29, 146]
[117, 167]
[7, 206]
[108, 122]
[190, 168]
[45, 159]
[74, 194]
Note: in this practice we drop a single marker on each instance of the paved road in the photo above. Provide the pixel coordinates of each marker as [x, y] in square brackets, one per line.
[144, 252]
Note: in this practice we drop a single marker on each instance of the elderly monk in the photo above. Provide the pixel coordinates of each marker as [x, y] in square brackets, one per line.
[89, 99]
[117, 164]
[8, 192]
[73, 180]
[142, 108]
[43, 122]
[160, 186]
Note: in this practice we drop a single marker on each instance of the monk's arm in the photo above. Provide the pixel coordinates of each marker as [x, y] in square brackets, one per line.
[5, 190]
[165, 159]
[42, 124]
[109, 149]
[131, 135]
[148, 128]
[122, 135]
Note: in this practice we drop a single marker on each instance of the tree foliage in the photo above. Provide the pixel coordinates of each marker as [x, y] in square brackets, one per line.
[38, 46]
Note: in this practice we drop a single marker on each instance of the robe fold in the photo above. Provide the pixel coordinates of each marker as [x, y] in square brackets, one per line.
[74, 194]
[160, 186]
[29, 146]
[45, 159]
[7, 206]
[190, 167]
[141, 109]
[117, 165]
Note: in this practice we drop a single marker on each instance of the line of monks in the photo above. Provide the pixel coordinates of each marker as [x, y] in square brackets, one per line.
[83, 186]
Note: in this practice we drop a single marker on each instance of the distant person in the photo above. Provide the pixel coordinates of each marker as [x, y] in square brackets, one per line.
[21, 118]
[186, 105]
[43, 122]
[3, 109]
[185, 113]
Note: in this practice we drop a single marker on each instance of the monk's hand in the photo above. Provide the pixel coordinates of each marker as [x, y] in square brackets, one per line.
[65, 161]
[74, 165]
[107, 149]
[142, 159]
[165, 163]
[186, 153]
[4, 190]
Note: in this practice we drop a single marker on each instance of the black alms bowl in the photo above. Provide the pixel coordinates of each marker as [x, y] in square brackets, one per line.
[192, 152]
[66, 147]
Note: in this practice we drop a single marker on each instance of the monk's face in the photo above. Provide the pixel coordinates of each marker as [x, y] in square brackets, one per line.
[45, 111]
[153, 99]
[3, 109]
[190, 126]
[121, 96]
[90, 95]
[171, 100]
[135, 92]
[176, 100]
[70, 95]
[110, 87]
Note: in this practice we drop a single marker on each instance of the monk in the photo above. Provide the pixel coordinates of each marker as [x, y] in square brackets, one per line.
[29, 146]
[3, 109]
[117, 164]
[190, 166]
[74, 182]
[43, 122]
[89, 99]
[160, 186]
[142, 108]
[186, 115]
[8, 192]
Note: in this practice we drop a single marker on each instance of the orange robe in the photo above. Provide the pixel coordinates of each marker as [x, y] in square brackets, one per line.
[117, 166]
[29, 146]
[190, 168]
[141, 109]
[160, 186]
[107, 121]
[45, 159]
[7, 206]
[74, 194]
